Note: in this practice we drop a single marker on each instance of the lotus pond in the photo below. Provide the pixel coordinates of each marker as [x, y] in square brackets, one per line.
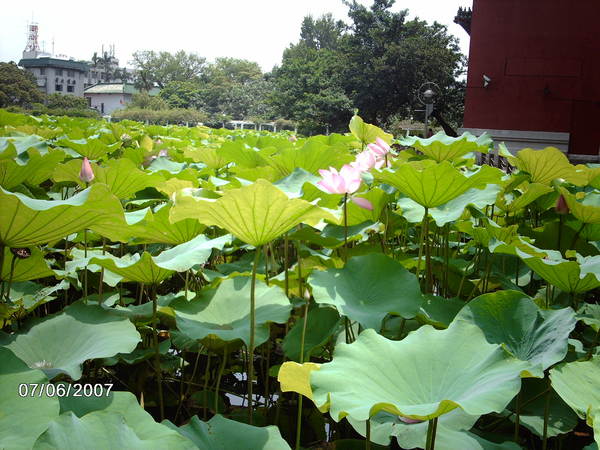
[174, 287]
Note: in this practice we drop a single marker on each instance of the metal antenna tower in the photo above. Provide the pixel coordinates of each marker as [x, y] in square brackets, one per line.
[32, 38]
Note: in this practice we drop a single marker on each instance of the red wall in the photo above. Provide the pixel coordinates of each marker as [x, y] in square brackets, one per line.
[543, 57]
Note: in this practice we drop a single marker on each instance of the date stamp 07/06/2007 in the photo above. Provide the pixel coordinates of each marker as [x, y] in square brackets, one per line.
[64, 390]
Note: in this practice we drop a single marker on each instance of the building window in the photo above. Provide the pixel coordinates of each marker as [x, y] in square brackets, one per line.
[42, 71]
[70, 73]
[70, 88]
[89, 101]
[58, 72]
[58, 88]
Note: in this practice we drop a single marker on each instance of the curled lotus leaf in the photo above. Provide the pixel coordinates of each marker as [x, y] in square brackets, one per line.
[25, 221]
[368, 288]
[569, 276]
[544, 166]
[577, 384]
[433, 372]
[441, 147]
[513, 319]
[224, 312]
[587, 211]
[256, 214]
[367, 133]
[431, 184]
[63, 342]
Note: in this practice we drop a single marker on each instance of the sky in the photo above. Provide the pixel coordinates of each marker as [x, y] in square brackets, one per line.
[257, 30]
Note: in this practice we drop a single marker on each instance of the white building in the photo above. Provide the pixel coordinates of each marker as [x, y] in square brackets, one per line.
[108, 97]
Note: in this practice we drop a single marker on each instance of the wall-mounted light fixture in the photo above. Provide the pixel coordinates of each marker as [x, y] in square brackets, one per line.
[486, 80]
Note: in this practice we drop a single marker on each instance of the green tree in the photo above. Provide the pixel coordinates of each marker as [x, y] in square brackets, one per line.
[17, 87]
[309, 89]
[388, 58]
[324, 32]
[163, 67]
[59, 101]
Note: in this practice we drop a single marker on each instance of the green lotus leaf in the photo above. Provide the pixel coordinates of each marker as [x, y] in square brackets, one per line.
[154, 269]
[25, 269]
[22, 418]
[196, 251]
[256, 214]
[321, 324]
[120, 404]
[561, 418]
[212, 157]
[241, 154]
[434, 372]
[368, 288]
[439, 311]
[25, 221]
[29, 295]
[590, 315]
[311, 157]
[293, 184]
[577, 384]
[564, 274]
[534, 191]
[121, 176]
[156, 227]
[441, 147]
[431, 184]
[19, 146]
[544, 166]
[513, 319]
[224, 312]
[139, 268]
[453, 210]
[62, 343]
[367, 133]
[451, 434]
[93, 148]
[11, 173]
[587, 211]
[220, 433]
[357, 214]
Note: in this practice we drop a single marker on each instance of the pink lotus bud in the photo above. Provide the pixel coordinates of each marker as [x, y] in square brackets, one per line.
[363, 203]
[384, 145]
[86, 174]
[292, 138]
[561, 206]
[163, 153]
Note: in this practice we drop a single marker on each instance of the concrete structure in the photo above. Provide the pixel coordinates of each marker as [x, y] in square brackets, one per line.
[54, 75]
[534, 74]
[109, 97]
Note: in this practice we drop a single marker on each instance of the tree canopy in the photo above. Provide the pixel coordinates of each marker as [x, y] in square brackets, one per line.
[17, 87]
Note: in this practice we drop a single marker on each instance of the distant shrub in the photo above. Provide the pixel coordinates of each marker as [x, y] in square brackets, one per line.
[163, 116]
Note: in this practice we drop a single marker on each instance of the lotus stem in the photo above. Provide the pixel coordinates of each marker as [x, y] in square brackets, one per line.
[252, 327]
[2, 247]
[266, 256]
[517, 417]
[421, 240]
[157, 352]
[85, 277]
[368, 441]
[101, 272]
[546, 415]
[267, 390]
[10, 276]
[206, 376]
[219, 376]
[298, 422]
[187, 278]
[431, 432]
[345, 228]
[428, 280]
[560, 227]
[286, 265]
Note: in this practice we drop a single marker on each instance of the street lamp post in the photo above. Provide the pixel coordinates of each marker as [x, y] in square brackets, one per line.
[428, 94]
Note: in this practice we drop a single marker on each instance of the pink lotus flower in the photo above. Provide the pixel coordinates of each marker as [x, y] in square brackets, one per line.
[86, 174]
[379, 148]
[365, 161]
[346, 181]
